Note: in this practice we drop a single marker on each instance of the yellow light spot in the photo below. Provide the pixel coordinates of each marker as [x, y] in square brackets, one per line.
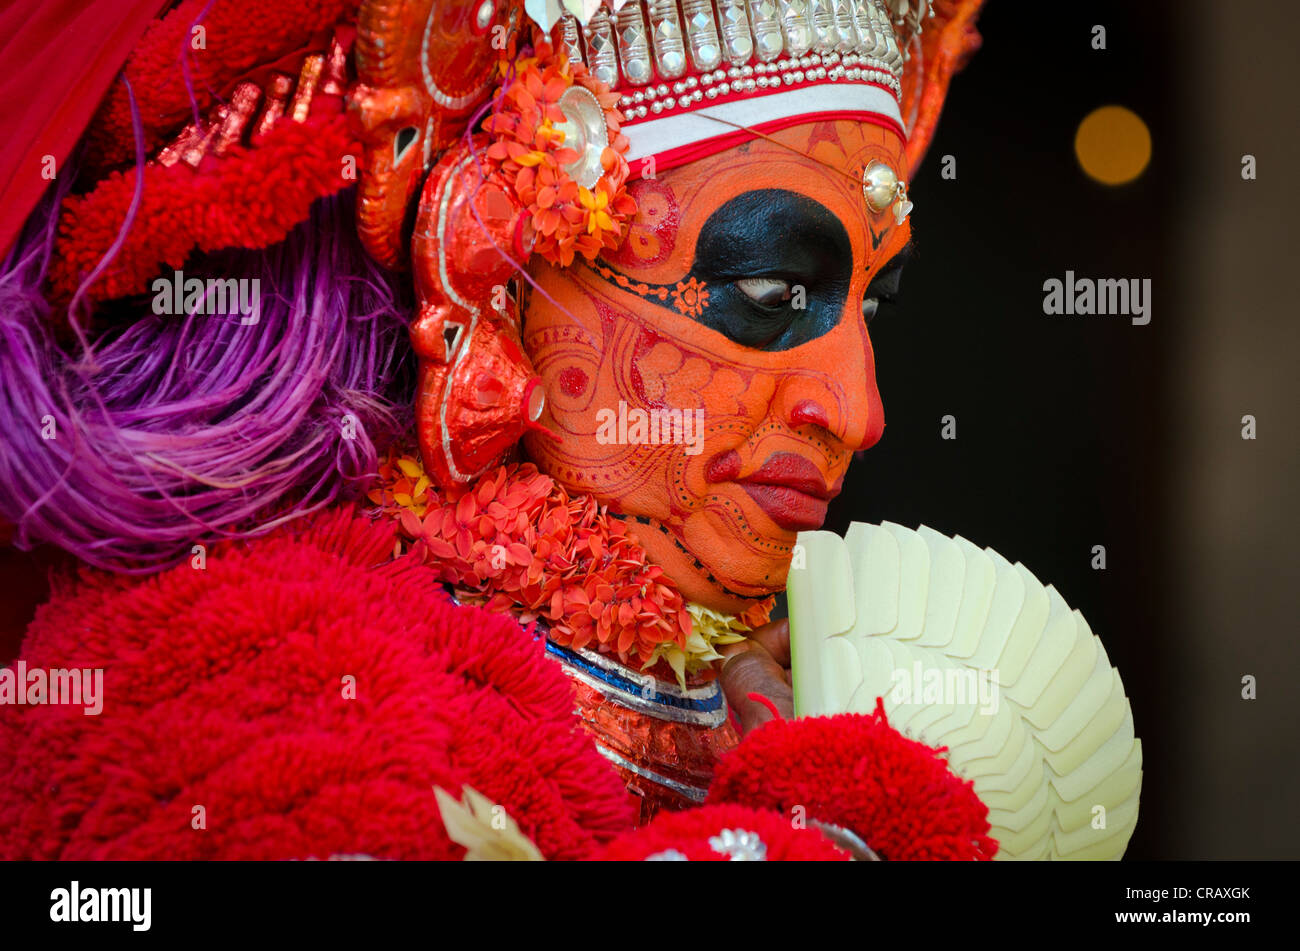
[1113, 145]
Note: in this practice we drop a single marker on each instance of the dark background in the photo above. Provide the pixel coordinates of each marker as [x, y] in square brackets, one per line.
[1079, 431]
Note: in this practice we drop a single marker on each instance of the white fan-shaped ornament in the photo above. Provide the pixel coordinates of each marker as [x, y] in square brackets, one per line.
[973, 653]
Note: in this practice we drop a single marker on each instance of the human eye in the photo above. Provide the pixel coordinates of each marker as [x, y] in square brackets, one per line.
[765, 291]
[778, 265]
[885, 285]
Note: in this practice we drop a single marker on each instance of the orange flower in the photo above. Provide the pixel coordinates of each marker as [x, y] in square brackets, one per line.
[528, 154]
[598, 218]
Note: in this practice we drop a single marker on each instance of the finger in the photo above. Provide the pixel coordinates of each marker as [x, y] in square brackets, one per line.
[754, 671]
[775, 638]
[751, 645]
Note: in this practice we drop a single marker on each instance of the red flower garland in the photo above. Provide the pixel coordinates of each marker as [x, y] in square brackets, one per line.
[517, 540]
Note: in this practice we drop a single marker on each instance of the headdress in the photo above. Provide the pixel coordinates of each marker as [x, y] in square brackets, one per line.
[575, 100]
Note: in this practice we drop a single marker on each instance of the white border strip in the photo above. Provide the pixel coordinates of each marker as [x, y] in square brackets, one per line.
[653, 136]
[693, 793]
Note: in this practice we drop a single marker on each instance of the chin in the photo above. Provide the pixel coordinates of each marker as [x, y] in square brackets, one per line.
[720, 564]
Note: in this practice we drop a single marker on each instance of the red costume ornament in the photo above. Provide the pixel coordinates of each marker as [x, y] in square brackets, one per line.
[318, 695]
[550, 181]
[477, 391]
[856, 772]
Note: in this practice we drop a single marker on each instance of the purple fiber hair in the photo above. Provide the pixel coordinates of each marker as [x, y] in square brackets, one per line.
[178, 429]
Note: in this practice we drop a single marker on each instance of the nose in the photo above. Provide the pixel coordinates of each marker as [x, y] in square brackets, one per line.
[842, 398]
[809, 412]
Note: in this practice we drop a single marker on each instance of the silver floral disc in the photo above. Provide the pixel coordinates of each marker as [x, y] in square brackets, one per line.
[584, 130]
[740, 845]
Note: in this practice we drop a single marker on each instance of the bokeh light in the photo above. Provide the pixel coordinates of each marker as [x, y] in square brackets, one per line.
[1113, 145]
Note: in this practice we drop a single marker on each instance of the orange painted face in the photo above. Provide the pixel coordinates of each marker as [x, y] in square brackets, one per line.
[711, 380]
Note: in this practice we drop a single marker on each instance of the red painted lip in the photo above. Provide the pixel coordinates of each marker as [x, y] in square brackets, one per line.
[790, 490]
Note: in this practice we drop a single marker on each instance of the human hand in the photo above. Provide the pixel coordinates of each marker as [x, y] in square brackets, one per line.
[760, 664]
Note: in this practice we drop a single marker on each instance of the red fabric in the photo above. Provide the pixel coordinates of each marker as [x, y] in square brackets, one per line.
[59, 57]
[858, 772]
[223, 688]
[250, 198]
[689, 832]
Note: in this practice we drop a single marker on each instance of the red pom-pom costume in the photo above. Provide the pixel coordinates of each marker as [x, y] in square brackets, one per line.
[723, 833]
[859, 773]
[297, 697]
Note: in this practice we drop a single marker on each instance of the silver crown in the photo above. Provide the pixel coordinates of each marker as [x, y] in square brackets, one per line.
[669, 54]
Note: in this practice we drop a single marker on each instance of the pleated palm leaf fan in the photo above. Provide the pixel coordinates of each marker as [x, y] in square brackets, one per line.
[973, 653]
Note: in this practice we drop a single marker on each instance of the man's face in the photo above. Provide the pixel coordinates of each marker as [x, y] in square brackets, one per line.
[712, 379]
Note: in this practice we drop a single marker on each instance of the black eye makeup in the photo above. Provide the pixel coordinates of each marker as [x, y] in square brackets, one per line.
[772, 271]
[778, 267]
[885, 286]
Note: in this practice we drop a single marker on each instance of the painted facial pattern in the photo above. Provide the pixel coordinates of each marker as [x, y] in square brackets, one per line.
[712, 379]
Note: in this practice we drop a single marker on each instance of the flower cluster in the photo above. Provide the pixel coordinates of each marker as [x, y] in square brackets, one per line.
[402, 484]
[709, 630]
[528, 151]
[516, 540]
